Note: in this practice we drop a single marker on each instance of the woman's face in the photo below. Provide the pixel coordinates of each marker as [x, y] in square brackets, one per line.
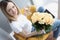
[11, 9]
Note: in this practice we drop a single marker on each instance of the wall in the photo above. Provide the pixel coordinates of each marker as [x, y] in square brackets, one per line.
[22, 3]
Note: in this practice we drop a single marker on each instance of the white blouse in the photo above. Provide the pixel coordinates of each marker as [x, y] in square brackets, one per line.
[22, 24]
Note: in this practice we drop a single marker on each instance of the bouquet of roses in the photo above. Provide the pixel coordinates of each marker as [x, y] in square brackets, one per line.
[42, 22]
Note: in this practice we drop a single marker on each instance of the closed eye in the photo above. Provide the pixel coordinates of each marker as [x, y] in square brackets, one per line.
[9, 10]
[13, 7]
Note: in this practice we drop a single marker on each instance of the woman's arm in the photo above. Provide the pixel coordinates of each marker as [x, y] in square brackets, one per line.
[28, 35]
[34, 33]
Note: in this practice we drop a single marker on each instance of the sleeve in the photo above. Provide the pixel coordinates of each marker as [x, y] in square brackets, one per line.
[15, 27]
[27, 27]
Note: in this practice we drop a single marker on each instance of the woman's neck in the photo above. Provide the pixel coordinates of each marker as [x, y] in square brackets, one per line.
[15, 17]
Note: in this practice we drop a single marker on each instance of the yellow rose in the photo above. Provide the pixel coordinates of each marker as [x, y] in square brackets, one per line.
[42, 18]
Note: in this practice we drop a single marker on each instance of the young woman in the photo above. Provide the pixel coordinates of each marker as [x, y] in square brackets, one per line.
[19, 23]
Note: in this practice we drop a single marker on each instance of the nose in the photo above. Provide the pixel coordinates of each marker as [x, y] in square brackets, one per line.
[13, 10]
